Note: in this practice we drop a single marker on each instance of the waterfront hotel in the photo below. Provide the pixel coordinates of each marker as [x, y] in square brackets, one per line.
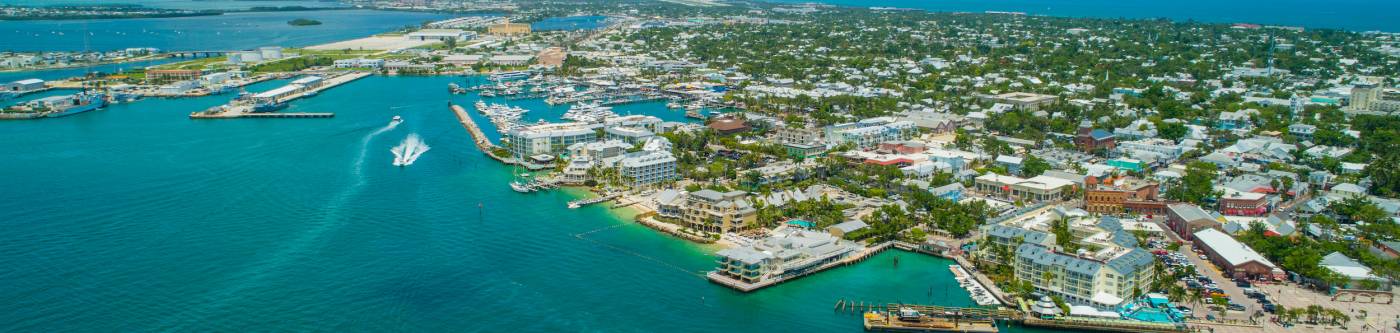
[1107, 269]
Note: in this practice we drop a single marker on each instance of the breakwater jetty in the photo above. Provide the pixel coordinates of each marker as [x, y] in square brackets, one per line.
[484, 144]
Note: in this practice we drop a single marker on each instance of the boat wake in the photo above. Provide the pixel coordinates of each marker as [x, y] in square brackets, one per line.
[294, 250]
[409, 150]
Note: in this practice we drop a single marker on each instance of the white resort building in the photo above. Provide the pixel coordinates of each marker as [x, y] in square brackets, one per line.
[786, 254]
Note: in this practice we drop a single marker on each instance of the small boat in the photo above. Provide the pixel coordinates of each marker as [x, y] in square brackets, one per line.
[395, 120]
[520, 187]
[695, 115]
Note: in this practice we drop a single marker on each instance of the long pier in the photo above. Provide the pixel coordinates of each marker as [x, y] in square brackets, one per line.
[264, 115]
[584, 202]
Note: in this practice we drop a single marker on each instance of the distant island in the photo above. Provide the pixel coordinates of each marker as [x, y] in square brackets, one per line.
[81, 12]
[302, 22]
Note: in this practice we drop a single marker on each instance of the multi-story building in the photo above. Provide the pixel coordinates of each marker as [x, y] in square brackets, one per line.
[631, 135]
[547, 139]
[1101, 279]
[1153, 151]
[508, 29]
[647, 167]
[1036, 189]
[934, 122]
[1022, 100]
[1107, 268]
[1123, 195]
[712, 211]
[163, 76]
[1090, 139]
[1370, 98]
[868, 133]
[1235, 202]
[802, 142]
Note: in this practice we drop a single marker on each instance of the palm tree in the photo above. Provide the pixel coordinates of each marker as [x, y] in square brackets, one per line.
[1195, 298]
[1046, 278]
[1176, 293]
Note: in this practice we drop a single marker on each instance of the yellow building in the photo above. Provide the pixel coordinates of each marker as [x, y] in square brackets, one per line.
[509, 29]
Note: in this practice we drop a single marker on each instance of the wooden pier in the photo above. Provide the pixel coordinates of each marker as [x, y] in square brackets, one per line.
[896, 317]
[584, 202]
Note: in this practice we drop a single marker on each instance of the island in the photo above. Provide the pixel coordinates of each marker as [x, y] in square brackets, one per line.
[87, 12]
[303, 22]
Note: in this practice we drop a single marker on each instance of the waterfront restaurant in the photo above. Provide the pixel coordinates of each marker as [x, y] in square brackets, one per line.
[787, 254]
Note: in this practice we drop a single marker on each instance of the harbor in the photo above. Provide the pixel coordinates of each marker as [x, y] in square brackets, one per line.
[973, 287]
[263, 105]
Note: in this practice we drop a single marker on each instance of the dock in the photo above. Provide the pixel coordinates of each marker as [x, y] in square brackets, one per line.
[584, 202]
[241, 108]
[331, 82]
[264, 115]
[895, 317]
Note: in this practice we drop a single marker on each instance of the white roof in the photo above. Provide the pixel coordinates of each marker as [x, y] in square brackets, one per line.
[1227, 247]
[1107, 299]
[280, 90]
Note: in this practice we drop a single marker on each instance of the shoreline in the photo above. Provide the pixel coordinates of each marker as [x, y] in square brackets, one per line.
[103, 63]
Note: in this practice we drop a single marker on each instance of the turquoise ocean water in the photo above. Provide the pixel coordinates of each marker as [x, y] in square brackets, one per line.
[135, 218]
[234, 31]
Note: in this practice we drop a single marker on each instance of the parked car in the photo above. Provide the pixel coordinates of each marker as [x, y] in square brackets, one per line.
[1242, 283]
[1235, 307]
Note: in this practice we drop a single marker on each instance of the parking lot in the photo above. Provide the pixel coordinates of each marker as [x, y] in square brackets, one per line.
[1366, 317]
[1232, 291]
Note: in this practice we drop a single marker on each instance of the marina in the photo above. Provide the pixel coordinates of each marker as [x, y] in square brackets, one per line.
[973, 287]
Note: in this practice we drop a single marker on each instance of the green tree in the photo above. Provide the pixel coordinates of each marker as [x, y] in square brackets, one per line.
[1385, 175]
[1172, 131]
[1197, 185]
[1034, 166]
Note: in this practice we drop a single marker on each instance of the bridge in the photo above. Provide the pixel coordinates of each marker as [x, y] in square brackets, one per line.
[196, 54]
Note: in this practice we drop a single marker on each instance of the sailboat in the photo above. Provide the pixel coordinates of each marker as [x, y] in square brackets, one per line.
[520, 184]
